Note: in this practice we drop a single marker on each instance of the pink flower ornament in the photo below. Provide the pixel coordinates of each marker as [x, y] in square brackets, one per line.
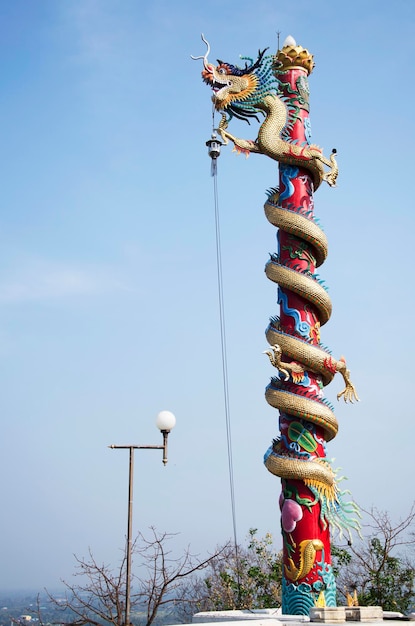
[291, 513]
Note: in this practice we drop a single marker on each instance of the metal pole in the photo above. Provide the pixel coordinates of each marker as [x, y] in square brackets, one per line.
[129, 547]
[165, 434]
[129, 539]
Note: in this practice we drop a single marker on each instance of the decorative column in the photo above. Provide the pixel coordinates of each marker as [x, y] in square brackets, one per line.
[312, 505]
[305, 424]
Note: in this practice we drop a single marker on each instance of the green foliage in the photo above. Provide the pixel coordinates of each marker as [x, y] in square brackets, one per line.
[380, 567]
[391, 582]
[341, 558]
[247, 578]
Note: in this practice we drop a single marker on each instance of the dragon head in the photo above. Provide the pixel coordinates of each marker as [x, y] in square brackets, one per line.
[229, 83]
[238, 90]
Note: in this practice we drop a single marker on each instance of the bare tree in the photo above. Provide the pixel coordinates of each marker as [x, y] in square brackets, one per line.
[380, 567]
[99, 599]
[165, 583]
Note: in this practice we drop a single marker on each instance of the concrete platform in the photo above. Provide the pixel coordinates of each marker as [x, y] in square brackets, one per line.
[256, 615]
[328, 614]
[325, 615]
[364, 613]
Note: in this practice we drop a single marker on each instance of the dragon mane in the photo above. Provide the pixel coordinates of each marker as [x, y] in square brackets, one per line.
[266, 84]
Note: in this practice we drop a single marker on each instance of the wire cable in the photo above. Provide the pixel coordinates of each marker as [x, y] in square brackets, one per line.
[214, 174]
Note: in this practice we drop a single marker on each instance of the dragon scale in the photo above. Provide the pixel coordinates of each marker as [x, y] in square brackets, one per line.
[312, 505]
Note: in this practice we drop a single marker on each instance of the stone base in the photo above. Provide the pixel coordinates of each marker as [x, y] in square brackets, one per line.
[256, 616]
[364, 613]
[204, 617]
[328, 614]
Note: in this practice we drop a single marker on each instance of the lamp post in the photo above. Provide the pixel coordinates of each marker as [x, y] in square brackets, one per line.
[165, 422]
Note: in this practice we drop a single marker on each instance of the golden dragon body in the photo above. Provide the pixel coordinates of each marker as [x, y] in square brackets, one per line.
[270, 143]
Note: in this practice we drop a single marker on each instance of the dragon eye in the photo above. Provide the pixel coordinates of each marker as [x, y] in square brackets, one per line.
[222, 70]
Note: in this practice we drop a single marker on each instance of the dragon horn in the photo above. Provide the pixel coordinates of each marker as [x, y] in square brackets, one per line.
[205, 57]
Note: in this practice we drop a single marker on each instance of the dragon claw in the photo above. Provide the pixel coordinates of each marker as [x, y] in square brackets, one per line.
[349, 394]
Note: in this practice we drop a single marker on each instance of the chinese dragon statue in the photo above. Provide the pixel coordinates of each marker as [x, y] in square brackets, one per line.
[275, 87]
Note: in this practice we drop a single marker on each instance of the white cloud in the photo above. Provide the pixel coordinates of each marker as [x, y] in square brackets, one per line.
[45, 281]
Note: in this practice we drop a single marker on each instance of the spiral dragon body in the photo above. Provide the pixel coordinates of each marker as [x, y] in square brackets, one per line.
[311, 501]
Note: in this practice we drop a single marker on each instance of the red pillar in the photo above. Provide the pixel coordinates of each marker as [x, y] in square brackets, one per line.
[306, 538]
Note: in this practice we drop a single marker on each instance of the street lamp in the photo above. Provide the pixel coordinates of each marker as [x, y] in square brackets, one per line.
[165, 422]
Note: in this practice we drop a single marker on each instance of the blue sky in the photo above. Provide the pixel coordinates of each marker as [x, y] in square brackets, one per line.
[108, 294]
